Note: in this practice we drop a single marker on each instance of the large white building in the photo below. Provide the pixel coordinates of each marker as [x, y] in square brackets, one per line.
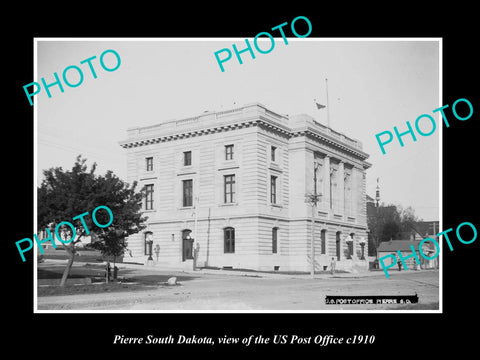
[236, 182]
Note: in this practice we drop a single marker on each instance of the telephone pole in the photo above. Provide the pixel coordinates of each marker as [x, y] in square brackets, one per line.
[195, 244]
[313, 200]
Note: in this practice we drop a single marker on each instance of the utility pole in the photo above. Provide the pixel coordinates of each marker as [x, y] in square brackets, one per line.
[313, 199]
[195, 244]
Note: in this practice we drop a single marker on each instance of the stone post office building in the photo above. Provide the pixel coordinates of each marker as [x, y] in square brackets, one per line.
[236, 181]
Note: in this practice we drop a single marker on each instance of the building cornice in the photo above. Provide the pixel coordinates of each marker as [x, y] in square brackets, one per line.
[253, 115]
[152, 139]
[338, 144]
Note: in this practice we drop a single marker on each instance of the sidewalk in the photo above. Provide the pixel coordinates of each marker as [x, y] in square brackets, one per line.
[251, 273]
[242, 273]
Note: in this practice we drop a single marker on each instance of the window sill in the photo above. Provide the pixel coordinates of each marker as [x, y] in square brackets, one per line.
[228, 204]
[147, 176]
[186, 170]
[228, 165]
[274, 166]
[276, 205]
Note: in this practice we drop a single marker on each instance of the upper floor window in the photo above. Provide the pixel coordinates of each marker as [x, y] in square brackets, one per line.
[229, 188]
[273, 189]
[187, 192]
[149, 163]
[228, 152]
[187, 158]
[273, 153]
[149, 197]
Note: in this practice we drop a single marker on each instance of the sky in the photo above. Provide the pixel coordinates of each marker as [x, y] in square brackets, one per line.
[373, 85]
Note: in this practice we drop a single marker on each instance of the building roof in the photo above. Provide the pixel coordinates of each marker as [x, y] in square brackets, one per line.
[426, 227]
[254, 114]
[402, 245]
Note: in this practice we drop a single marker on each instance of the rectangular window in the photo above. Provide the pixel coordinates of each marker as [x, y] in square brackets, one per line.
[149, 197]
[229, 188]
[149, 161]
[229, 240]
[228, 152]
[273, 153]
[273, 189]
[274, 240]
[323, 241]
[187, 192]
[187, 158]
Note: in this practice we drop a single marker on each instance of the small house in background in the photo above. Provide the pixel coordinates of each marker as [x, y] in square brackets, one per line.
[391, 247]
[84, 240]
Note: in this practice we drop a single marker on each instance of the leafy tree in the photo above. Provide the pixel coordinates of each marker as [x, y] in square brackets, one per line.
[390, 222]
[126, 204]
[64, 195]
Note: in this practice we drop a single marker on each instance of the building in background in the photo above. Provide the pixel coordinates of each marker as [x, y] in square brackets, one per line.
[233, 184]
[391, 247]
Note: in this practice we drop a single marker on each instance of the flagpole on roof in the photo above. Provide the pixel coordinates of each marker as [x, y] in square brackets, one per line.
[328, 107]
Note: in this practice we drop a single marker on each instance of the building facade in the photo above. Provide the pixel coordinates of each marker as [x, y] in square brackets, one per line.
[235, 184]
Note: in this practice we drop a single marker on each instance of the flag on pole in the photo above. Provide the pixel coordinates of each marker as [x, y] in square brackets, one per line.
[319, 106]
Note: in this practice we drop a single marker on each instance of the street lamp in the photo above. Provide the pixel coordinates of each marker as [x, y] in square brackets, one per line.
[313, 199]
[195, 249]
[362, 243]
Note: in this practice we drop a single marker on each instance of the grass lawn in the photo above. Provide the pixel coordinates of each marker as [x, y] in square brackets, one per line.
[95, 288]
[128, 280]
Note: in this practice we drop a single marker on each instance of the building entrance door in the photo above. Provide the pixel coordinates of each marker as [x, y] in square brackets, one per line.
[187, 245]
[350, 249]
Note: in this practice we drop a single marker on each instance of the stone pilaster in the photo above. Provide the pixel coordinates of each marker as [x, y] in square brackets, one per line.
[326, 183]
[340, 189]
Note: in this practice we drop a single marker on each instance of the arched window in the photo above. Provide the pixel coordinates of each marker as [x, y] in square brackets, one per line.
[274, 240]
[323, 241]
[351, 245]
[187, 245]
[229, 240]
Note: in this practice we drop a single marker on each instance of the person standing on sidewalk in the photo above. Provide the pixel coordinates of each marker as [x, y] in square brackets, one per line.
[399, 263]
[332, 266]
